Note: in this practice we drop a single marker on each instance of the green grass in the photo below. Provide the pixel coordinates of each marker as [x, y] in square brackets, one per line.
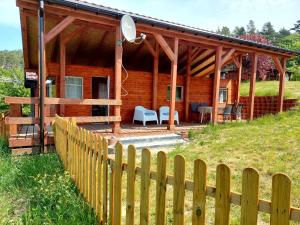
[265, 88]
[36, 190]
[270, 144]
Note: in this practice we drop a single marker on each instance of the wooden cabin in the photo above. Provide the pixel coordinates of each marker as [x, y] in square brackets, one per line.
[87, 74]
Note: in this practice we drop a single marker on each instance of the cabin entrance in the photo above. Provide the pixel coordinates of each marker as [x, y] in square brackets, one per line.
[100, 90]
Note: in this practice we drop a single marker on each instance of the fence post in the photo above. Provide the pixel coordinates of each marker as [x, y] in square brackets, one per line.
[199, 192]
[118, 184]
[222, 206]
[249, 199]
[161, 188]
[281, 191]
[99, 150]
[130, 185]
[145, 186]
[179, 190]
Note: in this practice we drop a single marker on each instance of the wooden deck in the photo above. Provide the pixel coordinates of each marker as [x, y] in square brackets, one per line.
[28, 135]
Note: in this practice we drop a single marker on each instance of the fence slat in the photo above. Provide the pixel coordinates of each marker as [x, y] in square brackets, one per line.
[90, 168]
[130, 185]
[199, 192]
[111, 193]
[179, 190]
[99, 176]
[94, 173]
[161, 188]
[222, 206]
[249, 199]
[145, 187]
[118, 184]
[281, 190]
[105, 180]
[86, 166]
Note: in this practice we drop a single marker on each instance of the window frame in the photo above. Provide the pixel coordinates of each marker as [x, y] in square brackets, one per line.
[182, 93]
[76, 77]
[223, 89]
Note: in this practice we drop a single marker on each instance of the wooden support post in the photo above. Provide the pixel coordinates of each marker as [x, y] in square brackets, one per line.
[217, 84]
[118, 76]
[62, 68]
[173, 85]
[155, 76]
[187, 84]
[239, 78]
[252, 87]
[281, 85]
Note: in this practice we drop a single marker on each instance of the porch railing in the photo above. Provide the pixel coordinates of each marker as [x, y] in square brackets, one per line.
[14, 119]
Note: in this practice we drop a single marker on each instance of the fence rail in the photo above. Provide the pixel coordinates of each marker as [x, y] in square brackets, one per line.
[99, 179]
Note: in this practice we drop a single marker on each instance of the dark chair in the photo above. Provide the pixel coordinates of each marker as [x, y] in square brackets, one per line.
[227, 112]
[237, 112]
[194, 107]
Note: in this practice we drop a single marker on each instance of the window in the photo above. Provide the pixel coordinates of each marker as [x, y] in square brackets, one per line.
[179, 93]
[51, 87]
[73, 87]
[223, 95]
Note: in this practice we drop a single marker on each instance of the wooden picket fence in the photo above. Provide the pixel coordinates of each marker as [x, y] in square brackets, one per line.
[4, 129]
[99, 179]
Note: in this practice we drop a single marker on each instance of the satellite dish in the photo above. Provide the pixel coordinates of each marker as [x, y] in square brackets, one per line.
[128, 28]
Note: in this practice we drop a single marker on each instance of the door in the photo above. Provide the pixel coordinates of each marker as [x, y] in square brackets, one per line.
[100, 90]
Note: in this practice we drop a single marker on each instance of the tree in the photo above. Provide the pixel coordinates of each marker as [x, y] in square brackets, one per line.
[11, 84]
[225, 31]
[264, 63]
[268, 31]
[238, 31]
[296, 27]
[283, 32]
[251, 29]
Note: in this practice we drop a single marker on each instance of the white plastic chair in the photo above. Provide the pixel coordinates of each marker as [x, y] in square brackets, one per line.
[164, 113]
[144, 115]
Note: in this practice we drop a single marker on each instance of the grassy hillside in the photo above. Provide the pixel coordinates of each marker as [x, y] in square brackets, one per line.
[264, 88]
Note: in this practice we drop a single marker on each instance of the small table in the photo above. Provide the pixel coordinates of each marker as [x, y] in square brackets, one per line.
[208, 109]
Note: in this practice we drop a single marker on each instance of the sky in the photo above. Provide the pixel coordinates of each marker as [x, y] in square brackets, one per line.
[205, 14]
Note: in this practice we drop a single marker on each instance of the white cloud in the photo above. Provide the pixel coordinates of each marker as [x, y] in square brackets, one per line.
[9, 15]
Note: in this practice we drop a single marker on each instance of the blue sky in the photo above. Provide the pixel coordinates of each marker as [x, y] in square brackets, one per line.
[206, 14]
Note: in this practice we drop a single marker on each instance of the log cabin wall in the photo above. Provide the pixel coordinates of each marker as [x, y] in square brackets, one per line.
[139, 88]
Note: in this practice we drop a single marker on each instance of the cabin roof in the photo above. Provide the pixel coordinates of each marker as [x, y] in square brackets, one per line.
[116, 13]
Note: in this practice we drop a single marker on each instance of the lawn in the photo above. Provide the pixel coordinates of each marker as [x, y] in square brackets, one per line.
[36, 190]
[264, 88]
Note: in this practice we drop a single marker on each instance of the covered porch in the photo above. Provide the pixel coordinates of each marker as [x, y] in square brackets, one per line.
[172, 56]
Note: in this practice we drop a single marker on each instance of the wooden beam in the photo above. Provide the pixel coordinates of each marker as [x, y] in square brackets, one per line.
[236, 62]
[62, 71]
[252, 88]
[187, 84]
[58, 28]
[155, 77]
[150, 47]
[281, 85]
[80, 119]
[202, 56]
[239, 78]
[195, 53]
[217, 77]
[208, 61]
[171, 125]
[24, 38]
[198, 58]
[164, 45]
[278, 65]
[118, 77]
[226, 57]
[65, 101]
